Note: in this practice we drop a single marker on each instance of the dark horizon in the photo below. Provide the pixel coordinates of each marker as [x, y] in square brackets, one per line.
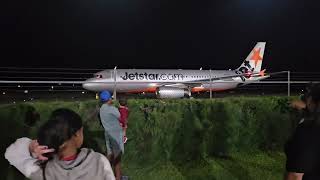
[159, 34]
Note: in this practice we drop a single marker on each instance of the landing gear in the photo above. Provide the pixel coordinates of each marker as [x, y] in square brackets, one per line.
[189, 93]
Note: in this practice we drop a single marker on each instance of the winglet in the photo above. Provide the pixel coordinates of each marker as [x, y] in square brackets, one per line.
[262, 73]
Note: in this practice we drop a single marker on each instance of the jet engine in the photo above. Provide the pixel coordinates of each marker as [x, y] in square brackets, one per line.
[171, 92]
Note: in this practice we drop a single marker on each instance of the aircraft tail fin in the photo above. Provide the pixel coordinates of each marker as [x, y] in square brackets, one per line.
[253, 62]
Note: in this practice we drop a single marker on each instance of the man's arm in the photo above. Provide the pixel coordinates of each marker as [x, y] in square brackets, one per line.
[294, 176]
[298, 104]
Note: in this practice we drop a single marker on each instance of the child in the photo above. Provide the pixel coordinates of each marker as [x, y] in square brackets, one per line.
[56, 154]
[124, 112]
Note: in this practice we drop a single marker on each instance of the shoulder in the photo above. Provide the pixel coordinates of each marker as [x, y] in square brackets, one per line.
[108, 107]
[106, 166]
[103, 162]
[114, 110]
[93, 154]
[103, 106]
[113, 107]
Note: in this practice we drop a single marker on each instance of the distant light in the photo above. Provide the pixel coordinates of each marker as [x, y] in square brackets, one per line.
[51, 87]
[82, 92]
[24, 100]
[143, 93]
[14, 102]
[26, 91]
[31, 99]
[19, 86]
[4, 93]
[200, 68]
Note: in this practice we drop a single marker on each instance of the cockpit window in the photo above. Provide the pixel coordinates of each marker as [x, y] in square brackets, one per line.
[104, 75]
[98, 76]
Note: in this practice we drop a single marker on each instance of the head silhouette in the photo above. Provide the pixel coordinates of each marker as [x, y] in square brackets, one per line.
[64, 128]
[123, 102]
[312, 97]
[105, 96]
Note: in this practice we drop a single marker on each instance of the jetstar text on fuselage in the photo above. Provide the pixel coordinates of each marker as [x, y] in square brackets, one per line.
[151, 76]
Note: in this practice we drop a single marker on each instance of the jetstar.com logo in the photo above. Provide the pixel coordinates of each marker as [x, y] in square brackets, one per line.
[151, 76]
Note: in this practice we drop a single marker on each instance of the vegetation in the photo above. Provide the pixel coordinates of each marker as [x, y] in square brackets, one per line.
[229, 138]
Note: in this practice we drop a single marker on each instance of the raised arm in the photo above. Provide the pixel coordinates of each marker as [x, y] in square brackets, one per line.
[19, 156]
[24, 153]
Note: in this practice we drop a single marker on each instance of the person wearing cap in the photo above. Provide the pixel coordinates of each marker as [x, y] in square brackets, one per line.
[109, 116]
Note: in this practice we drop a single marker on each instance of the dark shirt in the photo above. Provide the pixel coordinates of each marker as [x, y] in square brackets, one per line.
[303, 151]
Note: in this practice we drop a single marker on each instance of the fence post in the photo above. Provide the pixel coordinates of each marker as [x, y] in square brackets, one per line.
[210, 85]
[288, 83]
[115, 83]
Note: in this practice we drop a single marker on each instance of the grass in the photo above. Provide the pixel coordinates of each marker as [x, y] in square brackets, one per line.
[171, 140]
[240, 166]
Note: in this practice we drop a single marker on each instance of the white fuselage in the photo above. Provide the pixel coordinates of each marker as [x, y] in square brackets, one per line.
[148, 80]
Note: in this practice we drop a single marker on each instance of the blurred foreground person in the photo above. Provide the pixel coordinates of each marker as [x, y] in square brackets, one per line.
[303, 148]
[109, 116]
[56, 154]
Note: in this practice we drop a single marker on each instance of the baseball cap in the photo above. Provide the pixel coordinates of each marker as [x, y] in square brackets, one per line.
[105, 96]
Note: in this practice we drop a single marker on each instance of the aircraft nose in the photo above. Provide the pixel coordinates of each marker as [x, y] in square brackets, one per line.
[86, 86]
[89, 85]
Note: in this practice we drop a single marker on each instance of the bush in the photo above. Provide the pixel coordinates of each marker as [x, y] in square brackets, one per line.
[177, 131]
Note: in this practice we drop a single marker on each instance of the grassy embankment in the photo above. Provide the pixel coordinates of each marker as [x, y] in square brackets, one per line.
[230, 138]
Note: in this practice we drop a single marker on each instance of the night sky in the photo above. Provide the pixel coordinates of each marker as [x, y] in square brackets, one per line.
[159, 33]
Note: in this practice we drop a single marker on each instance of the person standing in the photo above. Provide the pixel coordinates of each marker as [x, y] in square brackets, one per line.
[109, 116]
[303, 148]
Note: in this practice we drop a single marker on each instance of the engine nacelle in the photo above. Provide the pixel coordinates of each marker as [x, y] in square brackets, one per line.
[171, 92]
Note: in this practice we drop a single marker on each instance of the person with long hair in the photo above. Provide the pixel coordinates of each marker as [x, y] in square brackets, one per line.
[303, 148]
[56, 154]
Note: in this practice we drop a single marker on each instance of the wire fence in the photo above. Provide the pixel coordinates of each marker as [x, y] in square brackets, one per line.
[49, 82]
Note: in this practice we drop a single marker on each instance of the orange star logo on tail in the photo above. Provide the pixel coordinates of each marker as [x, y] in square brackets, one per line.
[256, 57]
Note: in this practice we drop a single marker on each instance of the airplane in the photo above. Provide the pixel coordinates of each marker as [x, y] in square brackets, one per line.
[171, 83]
